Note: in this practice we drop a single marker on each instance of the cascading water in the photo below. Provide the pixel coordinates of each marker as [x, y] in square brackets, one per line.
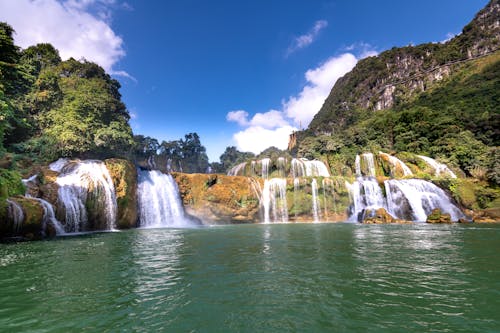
[159, 201]
[281, 167]
[369, 163]
[274, 200]
[16, 214]
[305, 168]
[265, 167]
[420, 196]
[315, 200]
[328, 188]
[397, 163]
[235, 171]
[440, 169]
[365, 193]
[49, 217]
[83, 184]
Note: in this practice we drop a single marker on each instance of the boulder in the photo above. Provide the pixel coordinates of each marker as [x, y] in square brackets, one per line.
[437, 216]
[491, 215]
[380, 216]
[21, 218]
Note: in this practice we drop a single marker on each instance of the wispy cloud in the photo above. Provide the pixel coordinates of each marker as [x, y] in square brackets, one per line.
[306, 39]
[77, 28]
[273, 128]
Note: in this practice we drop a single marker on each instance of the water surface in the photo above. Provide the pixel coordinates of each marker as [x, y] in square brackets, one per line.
[257, 278]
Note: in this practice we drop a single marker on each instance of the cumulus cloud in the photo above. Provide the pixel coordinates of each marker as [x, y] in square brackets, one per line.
[77, 28]
[256, 138]
[273, 128]
[308, 38]
[302, 108]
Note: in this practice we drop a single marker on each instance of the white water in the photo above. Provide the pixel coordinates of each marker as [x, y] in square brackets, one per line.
[80, 181]
[16, 214]
[274, 200]
[235, 171]
[281, 167]
[304, 168]
[395, 162]
[422, 197]
[315, 200]
[369, 162]
[50, 217]
[440, 169]
[159, 201]
[265, 167]
[365, 193]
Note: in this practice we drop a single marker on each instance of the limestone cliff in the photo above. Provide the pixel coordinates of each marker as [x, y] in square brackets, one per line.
[219, 199]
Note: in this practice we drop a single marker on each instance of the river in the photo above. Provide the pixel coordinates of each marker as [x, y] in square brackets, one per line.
[257, 278]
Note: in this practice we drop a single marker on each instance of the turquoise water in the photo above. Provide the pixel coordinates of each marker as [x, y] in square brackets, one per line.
[257, 278]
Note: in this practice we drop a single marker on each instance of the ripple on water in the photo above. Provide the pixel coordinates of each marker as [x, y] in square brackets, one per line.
[279, 278]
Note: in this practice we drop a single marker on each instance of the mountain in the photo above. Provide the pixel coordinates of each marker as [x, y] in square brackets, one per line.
[438, 99]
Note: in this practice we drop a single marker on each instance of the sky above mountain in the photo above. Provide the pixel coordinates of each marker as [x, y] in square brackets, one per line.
[242, 73]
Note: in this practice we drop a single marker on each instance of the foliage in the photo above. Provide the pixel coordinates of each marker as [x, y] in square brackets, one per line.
[10, 184]
[232, 157]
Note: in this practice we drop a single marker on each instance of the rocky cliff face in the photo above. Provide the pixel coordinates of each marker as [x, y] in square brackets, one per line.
[219, 199]
[400, 74]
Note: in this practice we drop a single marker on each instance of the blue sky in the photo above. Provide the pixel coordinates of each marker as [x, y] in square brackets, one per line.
[241, 73]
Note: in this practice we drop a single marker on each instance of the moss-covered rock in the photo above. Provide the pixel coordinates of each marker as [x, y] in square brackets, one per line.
[30, 224]
[437, 216]
[124, 175]
[490, 215]
[380, 216]
[219, 199]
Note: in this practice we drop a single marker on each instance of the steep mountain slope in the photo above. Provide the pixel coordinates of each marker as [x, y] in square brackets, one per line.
[399, 75]
[440, 100]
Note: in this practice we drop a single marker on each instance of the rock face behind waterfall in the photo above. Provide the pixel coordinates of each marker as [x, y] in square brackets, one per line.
[219, 199]
[22, 218]
[124, 176]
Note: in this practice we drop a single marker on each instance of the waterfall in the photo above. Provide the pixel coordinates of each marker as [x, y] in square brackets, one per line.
[357, 166]
[298, 168]
[281, 167]
[395, 163]
[327, 184]
[253, 166]
[421, 197]
[305, 168]
[85, 183]
[265, 167]
[159, 201]
[370, 164]
[365, 193]
[49, 217]
[440, 169]
[315, 200]
[274, 200]
[235, 171]
[296, 188]
[16, 214]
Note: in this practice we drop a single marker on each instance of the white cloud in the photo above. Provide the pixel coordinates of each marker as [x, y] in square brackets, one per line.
[77, 28]
[257, 138]
[307, 39]
[273, 128]
[302, 108]
[239, 116]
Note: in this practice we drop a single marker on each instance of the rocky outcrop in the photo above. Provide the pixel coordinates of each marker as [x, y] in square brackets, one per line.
[491, 215]
[124, 176]
[380, 216]
[21, 218]
[437, 216]
[219, 199]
